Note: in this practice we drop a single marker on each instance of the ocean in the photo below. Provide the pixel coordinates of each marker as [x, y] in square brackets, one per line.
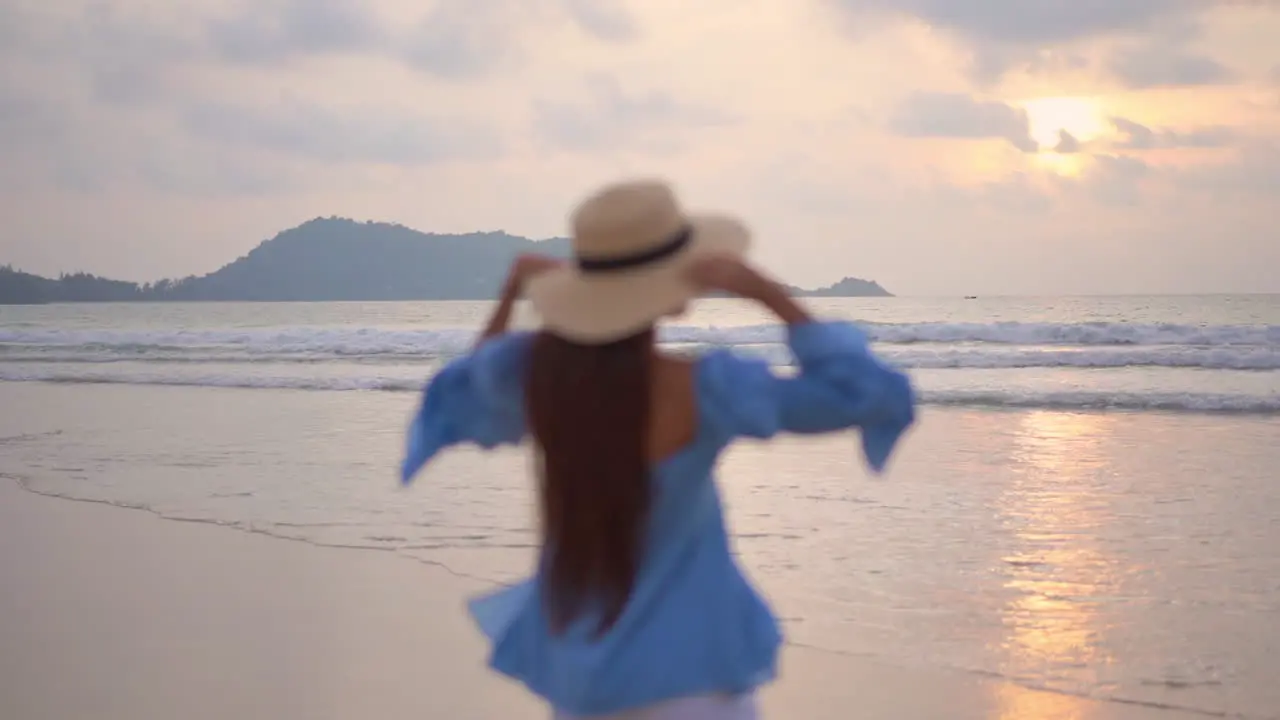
[1089, 504]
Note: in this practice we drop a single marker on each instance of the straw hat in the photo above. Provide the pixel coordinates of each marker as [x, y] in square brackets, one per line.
[632, 243]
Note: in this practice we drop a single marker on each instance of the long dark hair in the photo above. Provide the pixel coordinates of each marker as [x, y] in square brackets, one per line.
[589, 412]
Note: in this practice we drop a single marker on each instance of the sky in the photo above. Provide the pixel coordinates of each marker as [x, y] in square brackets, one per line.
[937, 146]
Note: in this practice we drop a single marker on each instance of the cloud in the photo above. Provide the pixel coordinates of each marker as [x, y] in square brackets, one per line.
[991, 61]
[1160, 65]
[50, 143]
[130, 48]
[613, 117]
[276, 30]
[383, 136]
[120, 55]
[26, 33]
[26, 119]
[466, 39]
[1068, 144]
[1036, 36]
[1251, 174]
[461, 39]
[1254, 171]
[1017, 194]
[958, 115]
[606, 19]
[1116, 180]
[1136, 136]
[1109, 180]
[34, 132]
[1030, 23]
[204, 171]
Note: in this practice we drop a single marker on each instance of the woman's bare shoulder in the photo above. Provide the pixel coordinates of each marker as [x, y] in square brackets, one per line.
[674, 415]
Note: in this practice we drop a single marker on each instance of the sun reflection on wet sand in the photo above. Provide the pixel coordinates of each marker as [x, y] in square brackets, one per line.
[1017, 703]
[1057, 574]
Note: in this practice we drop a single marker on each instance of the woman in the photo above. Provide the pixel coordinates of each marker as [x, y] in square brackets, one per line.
[636, 608]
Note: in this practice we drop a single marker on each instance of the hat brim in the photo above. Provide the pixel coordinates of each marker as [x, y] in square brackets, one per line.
[603, 307]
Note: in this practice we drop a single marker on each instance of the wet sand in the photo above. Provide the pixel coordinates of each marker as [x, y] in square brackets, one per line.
[110, 613]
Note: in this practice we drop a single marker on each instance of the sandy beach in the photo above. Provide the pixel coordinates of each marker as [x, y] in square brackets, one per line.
[111, 613]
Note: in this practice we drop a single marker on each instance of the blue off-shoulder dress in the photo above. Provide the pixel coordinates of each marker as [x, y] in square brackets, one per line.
[693, 625]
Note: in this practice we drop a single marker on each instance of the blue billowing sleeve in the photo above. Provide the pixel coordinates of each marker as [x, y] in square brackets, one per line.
[840, 385]
[476, 398]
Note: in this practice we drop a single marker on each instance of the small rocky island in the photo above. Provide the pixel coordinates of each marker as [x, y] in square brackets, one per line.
[336, 259]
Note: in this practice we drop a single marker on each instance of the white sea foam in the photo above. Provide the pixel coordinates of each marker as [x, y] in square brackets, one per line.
[361, 341]
[923, 345]
[1199, 402]
[215, 380]
[375, 341]
[1011, 333]
[916, 357]
[346, 358]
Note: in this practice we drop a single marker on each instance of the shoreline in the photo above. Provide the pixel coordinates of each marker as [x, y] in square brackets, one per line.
[114, 614]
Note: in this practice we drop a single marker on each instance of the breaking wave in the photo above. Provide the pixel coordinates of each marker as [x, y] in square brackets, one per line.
[1196, 402]
[397, 360]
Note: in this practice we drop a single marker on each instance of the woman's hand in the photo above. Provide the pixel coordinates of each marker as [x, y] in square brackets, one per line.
[727, 273]
[522, 269]
[731, 274]
[525, 267]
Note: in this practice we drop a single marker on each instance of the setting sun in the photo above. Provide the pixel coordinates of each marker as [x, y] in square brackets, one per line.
[1049, 117]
